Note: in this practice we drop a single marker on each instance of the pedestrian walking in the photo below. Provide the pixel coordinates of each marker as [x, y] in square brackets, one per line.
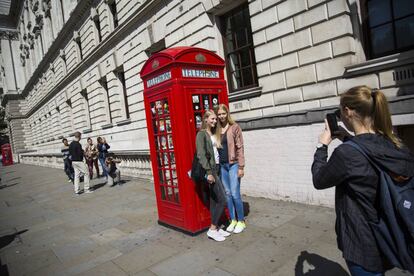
[231, 155]
[103, 152]
[114, 174]
[207, 142]
[364, 112]
[67, 163]
[91, 155]
[76, 151]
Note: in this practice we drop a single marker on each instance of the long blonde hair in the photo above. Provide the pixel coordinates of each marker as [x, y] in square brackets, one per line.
[216, 131]
[224, 107]
[370, 103]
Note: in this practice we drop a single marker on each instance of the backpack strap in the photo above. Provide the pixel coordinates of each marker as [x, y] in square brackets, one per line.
[363, 152]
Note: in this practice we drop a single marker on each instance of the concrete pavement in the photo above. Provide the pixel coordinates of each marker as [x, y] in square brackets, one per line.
[47, 230]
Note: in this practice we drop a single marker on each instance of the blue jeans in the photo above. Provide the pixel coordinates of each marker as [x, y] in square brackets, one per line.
[231, 183]
[104, 172]
[68, 168]
[357, 270]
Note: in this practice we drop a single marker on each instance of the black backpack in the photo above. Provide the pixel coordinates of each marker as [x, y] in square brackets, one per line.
[198, 173]
[394, 232]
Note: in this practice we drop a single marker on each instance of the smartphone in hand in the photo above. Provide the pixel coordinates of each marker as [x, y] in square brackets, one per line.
[333, 123]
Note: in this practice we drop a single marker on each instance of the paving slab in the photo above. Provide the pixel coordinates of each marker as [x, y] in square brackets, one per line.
[105, 269]
[193, 262]
[143, 257]
[46, 229]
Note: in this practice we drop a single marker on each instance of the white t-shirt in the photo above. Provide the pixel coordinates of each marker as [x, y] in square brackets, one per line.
[216, 154]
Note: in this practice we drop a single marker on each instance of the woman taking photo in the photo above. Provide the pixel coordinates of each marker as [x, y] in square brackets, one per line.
[207, 142]
[364, 112]
[103, 152]
[232, 167]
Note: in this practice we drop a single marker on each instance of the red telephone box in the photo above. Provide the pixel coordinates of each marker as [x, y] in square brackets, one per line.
[6, 155]
[179, 85]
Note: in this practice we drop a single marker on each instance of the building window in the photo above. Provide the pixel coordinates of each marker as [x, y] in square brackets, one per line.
[84, 94]
[239, 50]
[98, 28]
[63, 11]
[389, 26]
[104, 84]
[79, 45]
[112, 8]
[121, 77]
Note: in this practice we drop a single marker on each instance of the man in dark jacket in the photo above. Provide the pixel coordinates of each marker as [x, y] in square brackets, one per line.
[76, 151]
[67, 159]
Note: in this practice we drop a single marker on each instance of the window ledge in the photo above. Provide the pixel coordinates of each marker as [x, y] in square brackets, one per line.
[245, 94]
[107, 126]
[88, 130]
[380, 64]
[123, 122]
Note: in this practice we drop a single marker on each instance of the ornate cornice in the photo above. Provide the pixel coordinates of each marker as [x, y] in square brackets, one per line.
[47, 6]
[126, 28]
[9, 35]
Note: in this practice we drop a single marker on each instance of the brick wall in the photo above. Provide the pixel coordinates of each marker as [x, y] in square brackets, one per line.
[278, 164]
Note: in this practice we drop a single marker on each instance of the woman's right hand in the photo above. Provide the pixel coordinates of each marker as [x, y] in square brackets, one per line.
[210, 179]
[325, 137]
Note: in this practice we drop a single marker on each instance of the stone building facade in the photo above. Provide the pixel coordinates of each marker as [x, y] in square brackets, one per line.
[72, 65]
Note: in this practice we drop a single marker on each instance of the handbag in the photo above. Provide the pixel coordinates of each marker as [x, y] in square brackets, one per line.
[198, 173]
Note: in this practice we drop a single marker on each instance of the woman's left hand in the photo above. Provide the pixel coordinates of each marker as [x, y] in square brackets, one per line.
[240, 173]
[325, 137]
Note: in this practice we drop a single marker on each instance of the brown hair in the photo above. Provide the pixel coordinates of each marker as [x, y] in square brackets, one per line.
[372, 103]
[216, 131]
[225, 108]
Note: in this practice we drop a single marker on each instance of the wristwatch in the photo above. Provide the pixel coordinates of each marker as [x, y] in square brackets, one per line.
[320, 145]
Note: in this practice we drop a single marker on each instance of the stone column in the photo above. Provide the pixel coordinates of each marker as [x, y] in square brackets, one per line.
[63, 60]
[85, 102]
[56, 14]
[103, 81]
[10, 60]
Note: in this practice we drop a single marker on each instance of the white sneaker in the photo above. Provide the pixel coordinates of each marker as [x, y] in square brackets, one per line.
[231, 226]
[88, 191]
[240, 226]
[224, 233]
[215, 235]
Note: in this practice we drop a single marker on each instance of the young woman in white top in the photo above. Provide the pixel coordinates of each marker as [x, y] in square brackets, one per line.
[207, 142]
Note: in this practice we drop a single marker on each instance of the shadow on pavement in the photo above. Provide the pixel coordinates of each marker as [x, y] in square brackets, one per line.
[14, 178]
[98, 186]
[315, 265]
[7, 186]
[122, 182]
[4, 241]
[3, 270]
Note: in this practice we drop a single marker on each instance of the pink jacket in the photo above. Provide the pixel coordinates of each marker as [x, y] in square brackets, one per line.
[235, 145]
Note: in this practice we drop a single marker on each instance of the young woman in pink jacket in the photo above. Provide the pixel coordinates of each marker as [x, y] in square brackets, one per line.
[231, 156]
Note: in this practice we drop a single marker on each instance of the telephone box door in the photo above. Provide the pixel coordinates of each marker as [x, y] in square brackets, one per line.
[7, 157]
[164, 161]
